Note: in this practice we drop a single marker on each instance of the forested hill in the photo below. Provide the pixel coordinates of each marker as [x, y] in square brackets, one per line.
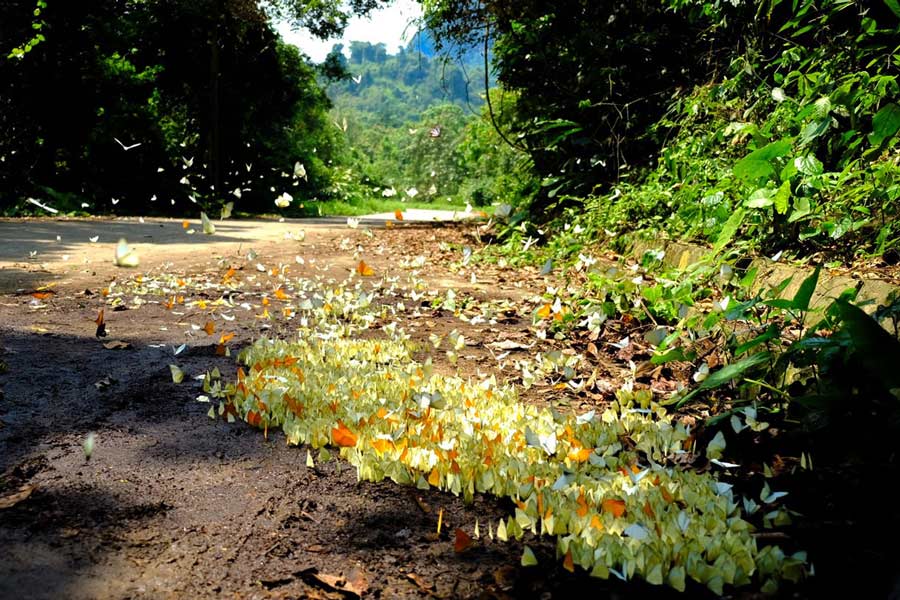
[394, 89]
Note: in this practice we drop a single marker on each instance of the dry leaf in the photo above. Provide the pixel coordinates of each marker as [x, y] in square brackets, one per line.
[420, 583]
[19, 495]
[116, 345]
[509, 345]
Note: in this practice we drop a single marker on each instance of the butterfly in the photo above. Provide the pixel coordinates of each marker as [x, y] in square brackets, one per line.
[101, 325]
[228, 207]
[208, 227]
[49, 209]
[435, 131]
[127, 148]
[125, 256]
[357, 80]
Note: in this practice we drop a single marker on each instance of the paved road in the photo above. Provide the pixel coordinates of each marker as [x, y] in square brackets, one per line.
[34, 250]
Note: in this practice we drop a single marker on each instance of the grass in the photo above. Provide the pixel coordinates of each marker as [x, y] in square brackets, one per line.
[366, 206]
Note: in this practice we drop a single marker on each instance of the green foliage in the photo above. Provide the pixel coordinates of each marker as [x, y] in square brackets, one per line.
[204, 87]
[409, 125]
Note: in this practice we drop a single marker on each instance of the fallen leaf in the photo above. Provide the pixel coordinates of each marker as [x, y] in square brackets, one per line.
[420, 583]
[509, 345]
[14, 498]
[354, 584]
[116, 345]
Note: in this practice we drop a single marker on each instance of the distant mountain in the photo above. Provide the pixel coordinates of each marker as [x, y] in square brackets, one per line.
[393, 90]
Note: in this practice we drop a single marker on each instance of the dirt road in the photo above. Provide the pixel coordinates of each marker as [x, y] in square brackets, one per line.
[172, 503]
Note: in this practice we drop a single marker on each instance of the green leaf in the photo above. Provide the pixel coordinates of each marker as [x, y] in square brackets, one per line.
[894, 6]
[771, 333]
[782, 197]
[734, 370]
[876, 349]
[760, 198]
[805, 291]
[752, 171]
[728, 230]
[801, 209]
[673, 354]
[885, 123]
[813, 130]
[727, 373]
[808, 165]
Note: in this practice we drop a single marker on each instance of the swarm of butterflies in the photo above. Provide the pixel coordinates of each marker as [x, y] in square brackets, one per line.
[615, 509]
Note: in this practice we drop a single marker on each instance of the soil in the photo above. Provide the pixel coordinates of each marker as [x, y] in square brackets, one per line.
[174, 504]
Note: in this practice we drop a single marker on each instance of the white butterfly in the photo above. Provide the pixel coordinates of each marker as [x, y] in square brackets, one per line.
[44, 206]
[115, 201]
[357, 80]
[284, 200]
[299, 170]
[127, 148]
[228, 207]
[125, 256]
[435, 131]
[188, 162]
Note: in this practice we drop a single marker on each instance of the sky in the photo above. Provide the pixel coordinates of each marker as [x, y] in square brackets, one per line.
[386, 25]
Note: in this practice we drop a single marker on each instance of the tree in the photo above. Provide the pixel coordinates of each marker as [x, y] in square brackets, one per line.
[207, 81]
[591, 78]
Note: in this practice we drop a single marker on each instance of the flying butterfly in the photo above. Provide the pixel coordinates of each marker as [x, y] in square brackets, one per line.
[125, 256]
[435, 131]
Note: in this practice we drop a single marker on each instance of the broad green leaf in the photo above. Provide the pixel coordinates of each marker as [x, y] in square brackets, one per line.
[894, 6]
[808, 165]
[728, 230]
[813, 130]
[753, 171]
[801, 209]
[885, 123]
[876, 349]
[782, 197]
[760, 198]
